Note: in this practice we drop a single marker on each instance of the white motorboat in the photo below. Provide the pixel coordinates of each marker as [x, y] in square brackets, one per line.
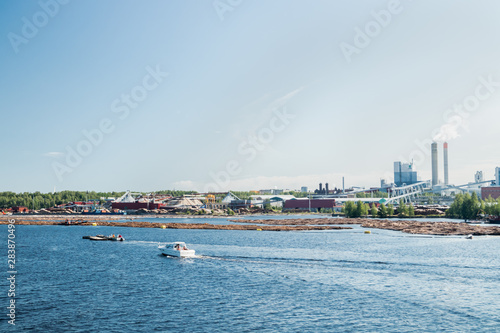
[118, 238]
[176, 249]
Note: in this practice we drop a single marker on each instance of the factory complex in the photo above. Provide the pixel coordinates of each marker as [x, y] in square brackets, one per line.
[407, 187]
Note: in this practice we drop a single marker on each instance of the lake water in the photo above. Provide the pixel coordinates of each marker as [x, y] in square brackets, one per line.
[326, 281]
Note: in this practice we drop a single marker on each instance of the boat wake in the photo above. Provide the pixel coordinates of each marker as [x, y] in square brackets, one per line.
[142, 242]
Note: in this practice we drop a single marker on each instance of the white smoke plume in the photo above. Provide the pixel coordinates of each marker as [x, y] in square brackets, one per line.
[449, 131]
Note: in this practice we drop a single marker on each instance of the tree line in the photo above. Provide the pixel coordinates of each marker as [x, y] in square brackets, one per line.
[470, 207]
[360, 209]
[37, 200]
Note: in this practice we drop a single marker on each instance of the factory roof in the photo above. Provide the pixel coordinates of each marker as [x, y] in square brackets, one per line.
[272, 197]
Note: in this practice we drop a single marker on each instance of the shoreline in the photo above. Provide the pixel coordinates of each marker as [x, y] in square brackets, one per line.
[205, 226]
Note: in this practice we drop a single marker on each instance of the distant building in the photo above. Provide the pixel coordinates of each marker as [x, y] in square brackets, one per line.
[385, 186]
[326, 190]
[478, 177]
[19, 209]
[497, 176]
[487, 191]
[405, 173]
[306, 204]
[304, 189]
[434, 161]
[272, 200]
[135, 205]
[217, 205]
[272, 191]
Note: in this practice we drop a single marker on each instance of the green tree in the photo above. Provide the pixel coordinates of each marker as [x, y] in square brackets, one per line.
[360, 209]
[411, 210]
[466, 206]
[382, 211]
[455, 208]
[482, 207]
[390, 209]
[402, 209]
[374, 210]
[350, 209]
[367, 209]
[354, 210]
[489, 206]
[470, 207]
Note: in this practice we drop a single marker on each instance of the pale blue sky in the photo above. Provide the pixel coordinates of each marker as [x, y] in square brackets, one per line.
[227, 81]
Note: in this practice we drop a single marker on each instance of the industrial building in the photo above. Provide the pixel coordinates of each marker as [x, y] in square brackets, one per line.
[271, 200]
[322, 190]
[445, 159]
[309, 204]
[405, 173]
[492, 191]
[128, 202]
[272, 191]
[478, 177]
[326, 190]
[434, 162]
[487, 191]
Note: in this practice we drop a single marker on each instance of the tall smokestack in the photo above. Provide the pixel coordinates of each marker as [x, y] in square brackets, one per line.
[434, 158]
[445, 157]
[326, 188]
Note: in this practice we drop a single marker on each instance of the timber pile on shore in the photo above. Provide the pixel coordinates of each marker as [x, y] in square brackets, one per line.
[411, 227]
[182, 225]
[306, 221]
[433, 228]
[292, 224]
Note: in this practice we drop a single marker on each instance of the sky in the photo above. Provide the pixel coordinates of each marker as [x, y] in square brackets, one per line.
[244, 95]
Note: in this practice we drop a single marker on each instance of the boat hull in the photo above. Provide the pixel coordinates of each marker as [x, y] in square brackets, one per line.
[177, 253]
[494, 220]
[104, 238]
[94, 238]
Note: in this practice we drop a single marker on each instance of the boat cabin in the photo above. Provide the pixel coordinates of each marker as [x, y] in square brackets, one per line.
[176, 246]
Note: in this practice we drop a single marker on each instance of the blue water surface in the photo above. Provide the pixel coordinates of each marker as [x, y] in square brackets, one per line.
[242, 281]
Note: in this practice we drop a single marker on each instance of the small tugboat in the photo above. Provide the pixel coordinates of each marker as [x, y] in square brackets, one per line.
[176, 249]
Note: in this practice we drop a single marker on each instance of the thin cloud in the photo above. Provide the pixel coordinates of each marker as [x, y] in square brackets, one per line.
[54, 154]
[279, 102]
